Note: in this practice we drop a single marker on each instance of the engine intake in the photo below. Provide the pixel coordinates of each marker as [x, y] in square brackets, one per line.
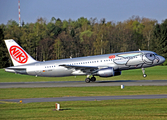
[108, 72]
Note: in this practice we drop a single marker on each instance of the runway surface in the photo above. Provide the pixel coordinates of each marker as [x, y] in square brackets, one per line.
[91, 98]
[83, 84]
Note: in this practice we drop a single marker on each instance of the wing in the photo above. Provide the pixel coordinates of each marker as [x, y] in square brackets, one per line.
[84, 69]
[16, 70]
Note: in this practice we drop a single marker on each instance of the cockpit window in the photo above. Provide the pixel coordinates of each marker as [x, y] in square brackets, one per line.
[150, 56]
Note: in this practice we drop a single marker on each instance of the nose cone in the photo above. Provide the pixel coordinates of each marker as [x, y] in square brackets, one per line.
[162, 59]
[159, 60]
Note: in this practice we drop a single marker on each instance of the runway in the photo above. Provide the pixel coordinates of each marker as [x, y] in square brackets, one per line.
[83, 84]
[91, 98]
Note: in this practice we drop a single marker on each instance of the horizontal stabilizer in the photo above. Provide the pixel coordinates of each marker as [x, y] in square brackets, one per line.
[16, 70]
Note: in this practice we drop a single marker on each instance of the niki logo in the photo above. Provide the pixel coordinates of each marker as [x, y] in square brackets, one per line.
[18, 54]
[111, 56]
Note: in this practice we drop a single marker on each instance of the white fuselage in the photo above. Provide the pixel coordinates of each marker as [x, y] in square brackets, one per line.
[117, 61]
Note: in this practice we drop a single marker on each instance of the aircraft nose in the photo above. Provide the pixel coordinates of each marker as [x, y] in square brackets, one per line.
[162, 59]
[159, 60]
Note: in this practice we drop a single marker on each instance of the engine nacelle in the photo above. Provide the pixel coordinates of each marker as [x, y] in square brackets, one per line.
[108, 72]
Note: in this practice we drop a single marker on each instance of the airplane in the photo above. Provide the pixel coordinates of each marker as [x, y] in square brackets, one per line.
[107, 65]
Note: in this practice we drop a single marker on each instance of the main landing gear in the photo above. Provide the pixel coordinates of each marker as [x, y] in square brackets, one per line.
[87, 80]
[143, 70]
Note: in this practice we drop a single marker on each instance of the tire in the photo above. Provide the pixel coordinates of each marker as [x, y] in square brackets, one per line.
[93, 79]
[87, 80]
[144, 75]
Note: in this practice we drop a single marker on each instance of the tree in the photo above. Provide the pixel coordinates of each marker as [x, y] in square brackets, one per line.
[58, 48]
[86, 42]
[82, 37]
[3, 51]
[45, 47]
[101, 39]
[159, 43]
[138, 36]
[148, 30]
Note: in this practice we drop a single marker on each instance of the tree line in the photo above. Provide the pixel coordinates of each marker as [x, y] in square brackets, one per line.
[60, 39]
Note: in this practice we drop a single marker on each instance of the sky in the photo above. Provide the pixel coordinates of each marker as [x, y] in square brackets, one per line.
[111, 10]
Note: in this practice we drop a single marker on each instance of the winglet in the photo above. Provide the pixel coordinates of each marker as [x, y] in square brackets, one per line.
[18, 55]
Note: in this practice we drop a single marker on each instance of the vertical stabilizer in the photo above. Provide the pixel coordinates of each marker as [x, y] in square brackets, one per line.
[18, 55]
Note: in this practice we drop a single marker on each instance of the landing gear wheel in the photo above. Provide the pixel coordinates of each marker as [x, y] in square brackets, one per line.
[93, 79]
[143, 70]
[144, 75]
[87, 80]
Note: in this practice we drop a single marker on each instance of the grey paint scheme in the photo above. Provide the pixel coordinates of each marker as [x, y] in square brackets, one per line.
[90, 65]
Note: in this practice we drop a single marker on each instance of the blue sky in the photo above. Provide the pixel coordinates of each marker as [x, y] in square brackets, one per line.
[111, 10]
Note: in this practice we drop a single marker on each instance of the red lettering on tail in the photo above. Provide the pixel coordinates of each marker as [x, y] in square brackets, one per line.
[18, 54]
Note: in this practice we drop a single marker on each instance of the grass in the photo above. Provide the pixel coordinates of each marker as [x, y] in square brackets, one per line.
[154, 73]
[14, 93]
[109, 109]
[88, 110]
[73, 110]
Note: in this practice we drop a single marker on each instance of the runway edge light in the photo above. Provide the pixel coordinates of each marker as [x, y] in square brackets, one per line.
[57, 105]
[122, 86]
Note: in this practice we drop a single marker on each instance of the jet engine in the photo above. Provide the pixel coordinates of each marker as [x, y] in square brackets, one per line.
[108, 72]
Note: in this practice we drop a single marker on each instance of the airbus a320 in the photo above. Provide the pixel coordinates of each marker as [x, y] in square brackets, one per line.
[106, 65]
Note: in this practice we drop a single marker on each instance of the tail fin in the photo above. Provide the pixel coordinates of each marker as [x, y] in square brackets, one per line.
[18, 55]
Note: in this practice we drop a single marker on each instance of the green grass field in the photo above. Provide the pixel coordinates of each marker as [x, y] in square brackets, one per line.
[106, 109]
[144, 109]
[13, 93]
[152, 109]
[154, 73]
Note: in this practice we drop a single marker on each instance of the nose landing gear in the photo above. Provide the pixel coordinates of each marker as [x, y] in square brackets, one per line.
[144, 75]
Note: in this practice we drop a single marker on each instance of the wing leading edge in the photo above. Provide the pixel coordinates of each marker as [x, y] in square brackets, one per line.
[84, 69]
